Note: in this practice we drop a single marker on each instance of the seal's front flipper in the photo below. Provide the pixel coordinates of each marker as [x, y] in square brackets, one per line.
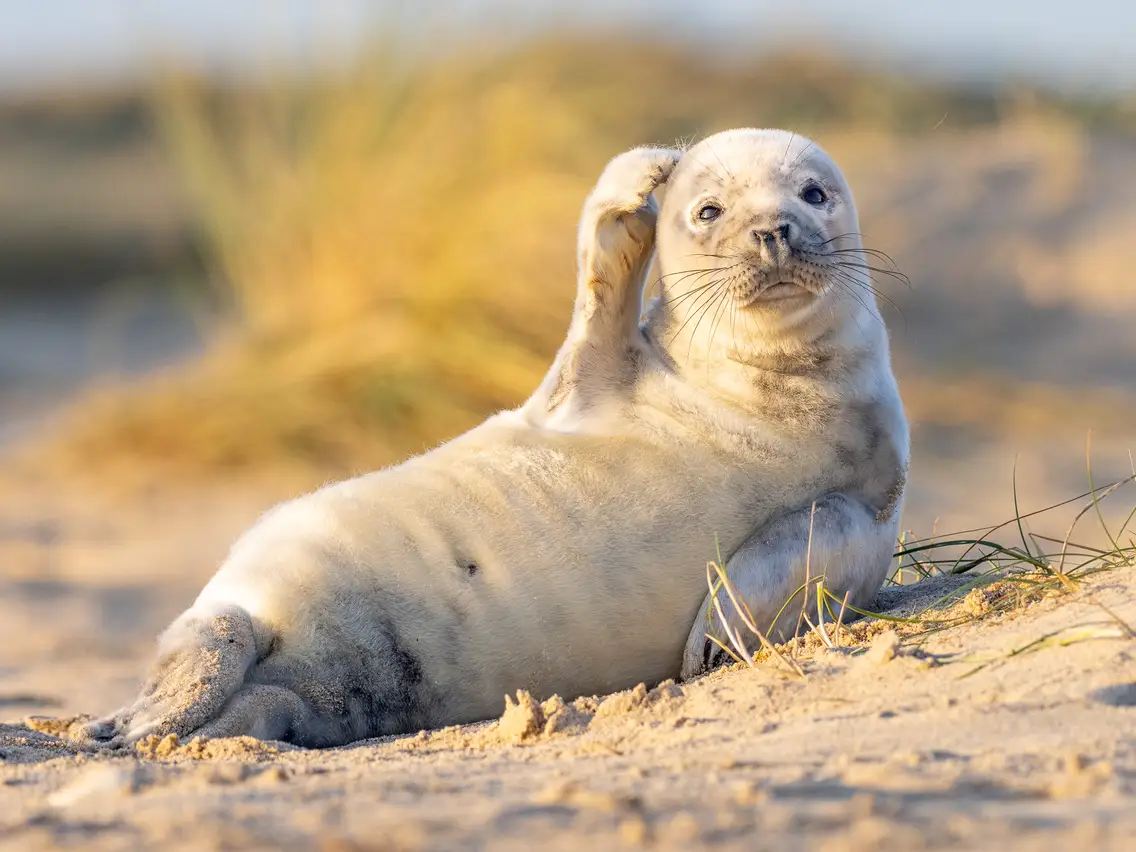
[841, 540]
[615, 245]
[203, 658]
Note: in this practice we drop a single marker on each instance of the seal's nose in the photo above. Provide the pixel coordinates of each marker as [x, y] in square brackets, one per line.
[771, 239]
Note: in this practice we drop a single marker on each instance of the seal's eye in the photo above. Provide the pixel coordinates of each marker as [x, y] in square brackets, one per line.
[814, 195]
[709, 212]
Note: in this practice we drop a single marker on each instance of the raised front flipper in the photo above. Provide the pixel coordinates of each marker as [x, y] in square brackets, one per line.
[615, 243]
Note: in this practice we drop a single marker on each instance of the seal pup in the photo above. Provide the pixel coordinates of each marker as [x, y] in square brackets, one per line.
[559, 547]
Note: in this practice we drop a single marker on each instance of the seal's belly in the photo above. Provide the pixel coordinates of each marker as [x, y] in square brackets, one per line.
[581, 583]
[571, 565]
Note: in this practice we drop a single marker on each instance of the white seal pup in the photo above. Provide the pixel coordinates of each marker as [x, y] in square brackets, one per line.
[560, 547]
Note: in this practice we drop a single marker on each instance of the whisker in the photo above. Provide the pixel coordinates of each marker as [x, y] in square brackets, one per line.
[864, 283]
[714, 329]
[719, 159]
[894, 274]
[698, 303]
[797, 161]
[657, 283]
[697, 275]
[733, 316]
[841, 257]
[702, 315]
[692, 271]
[792, 137]
[868, 251]
[718, 176]
[850, 291]
[849, 280]
[838, 237]
[682, 297]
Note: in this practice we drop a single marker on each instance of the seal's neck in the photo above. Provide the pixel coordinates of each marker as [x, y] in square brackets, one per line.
[721, 344]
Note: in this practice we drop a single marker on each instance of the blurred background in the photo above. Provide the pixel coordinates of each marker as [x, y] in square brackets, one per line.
[290, 241]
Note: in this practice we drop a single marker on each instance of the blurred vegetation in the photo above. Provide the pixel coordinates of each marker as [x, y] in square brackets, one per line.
[394, 246]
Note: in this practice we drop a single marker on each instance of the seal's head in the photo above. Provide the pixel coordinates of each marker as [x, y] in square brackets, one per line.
[761, 222]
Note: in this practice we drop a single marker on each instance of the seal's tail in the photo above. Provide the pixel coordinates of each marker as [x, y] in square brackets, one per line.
[203, 659]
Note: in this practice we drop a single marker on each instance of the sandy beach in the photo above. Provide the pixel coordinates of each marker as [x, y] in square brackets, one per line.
[1016, 730]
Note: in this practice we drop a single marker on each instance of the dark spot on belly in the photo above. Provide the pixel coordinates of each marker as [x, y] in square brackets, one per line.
[408, 666]
[390, 697]
[846, 455]
[471, 568]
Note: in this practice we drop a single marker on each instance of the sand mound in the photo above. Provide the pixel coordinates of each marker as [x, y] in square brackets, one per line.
[61, 727]
[22, 744]
[526, 721]
[199, 748]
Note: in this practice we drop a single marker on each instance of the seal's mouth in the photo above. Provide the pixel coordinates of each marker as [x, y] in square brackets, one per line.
[783, 286]
[779, 291]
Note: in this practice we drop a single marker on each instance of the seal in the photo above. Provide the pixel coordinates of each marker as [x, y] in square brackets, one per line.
[559, 547]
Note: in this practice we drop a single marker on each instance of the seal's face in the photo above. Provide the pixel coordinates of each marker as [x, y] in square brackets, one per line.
[763, 218]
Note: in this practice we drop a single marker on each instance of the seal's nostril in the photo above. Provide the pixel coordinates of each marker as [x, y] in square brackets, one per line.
[780, 234]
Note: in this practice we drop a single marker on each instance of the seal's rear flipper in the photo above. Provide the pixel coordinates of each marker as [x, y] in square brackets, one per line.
[203, 658]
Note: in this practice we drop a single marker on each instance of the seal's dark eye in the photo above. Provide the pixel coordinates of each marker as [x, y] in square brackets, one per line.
[814, 195]
[709, 212]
